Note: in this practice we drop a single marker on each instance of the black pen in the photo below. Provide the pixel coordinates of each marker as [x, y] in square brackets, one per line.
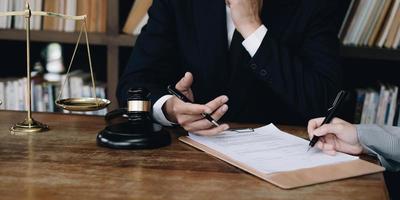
[330, 115]
[182, 97]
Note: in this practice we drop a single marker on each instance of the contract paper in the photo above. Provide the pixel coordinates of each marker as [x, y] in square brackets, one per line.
[269, 150]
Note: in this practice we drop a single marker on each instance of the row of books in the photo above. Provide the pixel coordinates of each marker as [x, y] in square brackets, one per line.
[372, 23]
[44, 94]
[96, 10]
[378, 106]
[138, 17]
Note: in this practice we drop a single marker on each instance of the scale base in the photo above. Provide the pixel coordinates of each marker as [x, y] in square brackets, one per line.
[28, 126]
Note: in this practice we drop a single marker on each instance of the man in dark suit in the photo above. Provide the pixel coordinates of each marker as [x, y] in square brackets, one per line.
[275, 60]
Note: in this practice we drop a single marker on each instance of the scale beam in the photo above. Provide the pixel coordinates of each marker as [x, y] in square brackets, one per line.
[44, 14]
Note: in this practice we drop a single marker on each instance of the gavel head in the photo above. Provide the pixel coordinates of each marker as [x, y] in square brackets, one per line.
[139, 104]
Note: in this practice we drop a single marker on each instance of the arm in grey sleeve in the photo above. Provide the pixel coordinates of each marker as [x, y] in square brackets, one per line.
[384, 142]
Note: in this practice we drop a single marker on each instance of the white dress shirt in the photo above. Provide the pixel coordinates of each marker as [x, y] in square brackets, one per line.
[251, 44]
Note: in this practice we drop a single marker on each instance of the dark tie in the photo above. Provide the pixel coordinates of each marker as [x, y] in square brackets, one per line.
[236, 74]
[238, 58]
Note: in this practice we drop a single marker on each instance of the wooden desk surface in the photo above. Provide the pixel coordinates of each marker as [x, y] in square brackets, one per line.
[65, 163]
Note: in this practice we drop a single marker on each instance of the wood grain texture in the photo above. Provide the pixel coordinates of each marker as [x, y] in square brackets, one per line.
[66, 163]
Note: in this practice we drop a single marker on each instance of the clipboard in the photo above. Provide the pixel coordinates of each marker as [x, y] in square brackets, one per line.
[301, 177]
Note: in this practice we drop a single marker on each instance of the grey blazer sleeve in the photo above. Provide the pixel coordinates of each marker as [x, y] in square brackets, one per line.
[384, 142]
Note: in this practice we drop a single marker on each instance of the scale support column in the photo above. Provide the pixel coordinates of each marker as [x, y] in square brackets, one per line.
[29, 125]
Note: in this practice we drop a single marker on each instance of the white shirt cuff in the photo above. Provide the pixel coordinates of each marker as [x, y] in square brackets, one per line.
[253, 42]
[158, 113]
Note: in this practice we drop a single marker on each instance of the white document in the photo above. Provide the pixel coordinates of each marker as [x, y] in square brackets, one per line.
[269, 150]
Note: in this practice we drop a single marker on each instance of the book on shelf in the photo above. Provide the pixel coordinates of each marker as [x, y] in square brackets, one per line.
[389, 21]
[96, 10]
[379, 22]
[378, 105]
[6, 5]
[397, 40]
[375, 9]
[19, 20]
[52, 23]
[138, 17]
[102, 16]
[82, 8]
[70, 9]
[10, 88]
[91, 20]
[349, 15]
[372, 23]
[365, 16]
[44, 94]
[393, 30]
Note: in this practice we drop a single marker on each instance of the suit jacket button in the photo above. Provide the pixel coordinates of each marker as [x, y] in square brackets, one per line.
[253, 66]
[263, 72]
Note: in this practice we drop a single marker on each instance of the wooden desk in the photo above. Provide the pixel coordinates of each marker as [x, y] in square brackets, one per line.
[65, 163]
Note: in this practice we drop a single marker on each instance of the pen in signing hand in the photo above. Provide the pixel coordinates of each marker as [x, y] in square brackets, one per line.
[183, 98]
[330, 115]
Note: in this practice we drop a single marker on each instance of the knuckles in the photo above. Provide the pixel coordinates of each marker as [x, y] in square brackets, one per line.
[181, 121]
[340, 127]
[174, 109]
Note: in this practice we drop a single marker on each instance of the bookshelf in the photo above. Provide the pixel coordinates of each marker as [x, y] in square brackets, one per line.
[112, 40]
[370, 53]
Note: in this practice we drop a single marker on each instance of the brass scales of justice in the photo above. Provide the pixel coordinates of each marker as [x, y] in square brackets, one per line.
[29, 125]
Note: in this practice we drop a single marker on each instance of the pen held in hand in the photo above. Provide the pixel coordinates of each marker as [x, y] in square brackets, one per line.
[332, 112]
[183, 98]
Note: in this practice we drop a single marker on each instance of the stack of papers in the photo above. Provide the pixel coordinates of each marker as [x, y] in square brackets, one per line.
[269, 150]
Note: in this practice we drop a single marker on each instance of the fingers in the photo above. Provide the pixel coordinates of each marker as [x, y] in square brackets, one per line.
[337, 136]
[336, 129]
[315, 124]
[220, 112]
[213, 131]
[332, 153]
[186, 120]
[191, 109]
[204, 123]
[190, 118]
[327, 148]
[185, 83]
[217, 103]
[188, 113]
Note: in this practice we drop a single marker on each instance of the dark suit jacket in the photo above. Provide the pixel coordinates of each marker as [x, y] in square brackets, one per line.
[294, 75]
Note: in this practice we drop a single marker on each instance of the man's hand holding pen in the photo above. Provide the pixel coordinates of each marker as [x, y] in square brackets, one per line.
[190, 115]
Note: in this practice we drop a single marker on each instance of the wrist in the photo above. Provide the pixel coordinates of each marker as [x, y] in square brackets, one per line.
[168, 110]
[360, 147]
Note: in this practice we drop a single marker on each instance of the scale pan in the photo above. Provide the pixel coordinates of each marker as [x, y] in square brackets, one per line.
[83, 104]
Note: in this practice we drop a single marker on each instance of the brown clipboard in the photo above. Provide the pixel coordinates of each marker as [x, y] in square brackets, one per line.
[301, 177]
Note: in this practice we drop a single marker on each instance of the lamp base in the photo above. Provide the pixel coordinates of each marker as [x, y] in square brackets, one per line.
[131, 135]
[28, 126]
